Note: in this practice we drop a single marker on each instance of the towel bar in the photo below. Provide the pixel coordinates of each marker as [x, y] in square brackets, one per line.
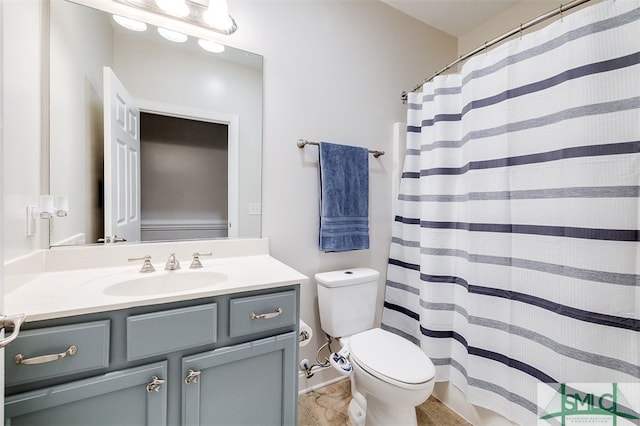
[302, 143]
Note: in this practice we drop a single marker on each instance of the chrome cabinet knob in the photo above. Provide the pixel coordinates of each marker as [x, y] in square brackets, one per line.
[155, 384]
[192, 377]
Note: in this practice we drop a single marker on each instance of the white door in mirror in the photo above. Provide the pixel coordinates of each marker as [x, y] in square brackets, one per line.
[121, 161]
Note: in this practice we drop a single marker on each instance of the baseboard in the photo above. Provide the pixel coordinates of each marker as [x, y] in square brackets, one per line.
[322, 376]
[454, 398]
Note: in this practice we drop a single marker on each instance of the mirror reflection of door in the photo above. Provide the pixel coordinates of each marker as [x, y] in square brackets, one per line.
[121, 162]
[184, 178]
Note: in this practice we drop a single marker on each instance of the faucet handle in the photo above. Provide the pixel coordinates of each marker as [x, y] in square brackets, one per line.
[172, 263]
[146, 266]
[195, 264]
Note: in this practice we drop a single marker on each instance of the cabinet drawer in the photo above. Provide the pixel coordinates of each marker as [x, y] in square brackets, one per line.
[90, 339]
[259, 313]
[159, 333]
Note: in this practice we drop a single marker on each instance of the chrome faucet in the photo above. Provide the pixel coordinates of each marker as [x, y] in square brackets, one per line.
[172, 263]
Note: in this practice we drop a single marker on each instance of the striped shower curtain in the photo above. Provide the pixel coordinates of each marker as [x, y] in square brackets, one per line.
[515, 249]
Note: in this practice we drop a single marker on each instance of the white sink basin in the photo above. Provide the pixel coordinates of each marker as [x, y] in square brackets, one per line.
[156, 283]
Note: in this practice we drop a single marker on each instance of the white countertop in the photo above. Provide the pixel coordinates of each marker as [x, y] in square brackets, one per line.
[63, 293]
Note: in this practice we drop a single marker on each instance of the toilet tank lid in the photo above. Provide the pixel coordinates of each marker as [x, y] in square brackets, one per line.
[347, 277]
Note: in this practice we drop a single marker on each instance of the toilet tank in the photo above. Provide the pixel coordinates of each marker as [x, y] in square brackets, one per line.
[347, 300]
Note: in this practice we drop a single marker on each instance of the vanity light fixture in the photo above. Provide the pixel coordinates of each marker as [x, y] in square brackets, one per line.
[130, 24]
[211, 46]
[211, 15]
[217, 15]
[174, 7]
[171, 35]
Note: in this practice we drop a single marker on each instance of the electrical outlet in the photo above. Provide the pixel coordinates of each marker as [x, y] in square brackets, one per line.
[255, 208]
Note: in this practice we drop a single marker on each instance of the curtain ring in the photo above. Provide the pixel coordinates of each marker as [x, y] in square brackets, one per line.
[561, 13]
[521, 31]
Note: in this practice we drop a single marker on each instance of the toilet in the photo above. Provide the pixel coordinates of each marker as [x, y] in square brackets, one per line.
[389, 375]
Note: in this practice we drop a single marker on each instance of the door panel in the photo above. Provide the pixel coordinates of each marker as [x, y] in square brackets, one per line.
[247, 384]
[113, 399]
[121, 160]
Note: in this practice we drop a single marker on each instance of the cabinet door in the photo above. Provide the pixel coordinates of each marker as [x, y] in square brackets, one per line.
[117, 398]
[248, 384]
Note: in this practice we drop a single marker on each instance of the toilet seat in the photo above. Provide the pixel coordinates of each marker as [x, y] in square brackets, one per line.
[391, 358]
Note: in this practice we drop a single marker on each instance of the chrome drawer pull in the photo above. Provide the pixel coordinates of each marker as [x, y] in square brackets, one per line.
[192, 377]
[155, 384]
[270, 315]
[21, 360]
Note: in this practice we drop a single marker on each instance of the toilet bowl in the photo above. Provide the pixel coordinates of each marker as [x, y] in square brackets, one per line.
[393, 375]
[389, 375]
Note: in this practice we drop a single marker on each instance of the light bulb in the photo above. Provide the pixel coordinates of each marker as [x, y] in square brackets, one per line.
[129, 23]
[174, 7]
[211, 46]
[174, 36]
[217, 15]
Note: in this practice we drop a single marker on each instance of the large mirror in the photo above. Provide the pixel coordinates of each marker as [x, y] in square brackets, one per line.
[198, 120]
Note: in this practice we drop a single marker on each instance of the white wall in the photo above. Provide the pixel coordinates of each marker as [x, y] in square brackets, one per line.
[81, 46]
[22, 64]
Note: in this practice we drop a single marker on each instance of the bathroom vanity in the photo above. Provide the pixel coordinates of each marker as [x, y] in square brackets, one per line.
[220, 354]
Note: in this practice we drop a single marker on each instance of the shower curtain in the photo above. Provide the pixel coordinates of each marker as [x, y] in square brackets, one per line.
[515, 249]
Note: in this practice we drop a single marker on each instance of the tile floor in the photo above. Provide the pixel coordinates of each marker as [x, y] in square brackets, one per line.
[328, 407]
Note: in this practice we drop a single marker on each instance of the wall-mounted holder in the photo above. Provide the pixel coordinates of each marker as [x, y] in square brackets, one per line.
[48, 207]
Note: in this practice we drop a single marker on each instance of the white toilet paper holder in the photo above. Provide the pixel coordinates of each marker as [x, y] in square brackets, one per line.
[304, 335]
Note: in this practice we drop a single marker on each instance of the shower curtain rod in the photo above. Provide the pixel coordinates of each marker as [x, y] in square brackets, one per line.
[302, 142]
[486, 45]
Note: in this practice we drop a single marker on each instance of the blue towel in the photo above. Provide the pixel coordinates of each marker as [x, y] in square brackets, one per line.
[344, 197]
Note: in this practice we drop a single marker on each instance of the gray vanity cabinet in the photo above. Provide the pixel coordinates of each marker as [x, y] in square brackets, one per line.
[223, 360]
[255, 373]
[125, 397]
